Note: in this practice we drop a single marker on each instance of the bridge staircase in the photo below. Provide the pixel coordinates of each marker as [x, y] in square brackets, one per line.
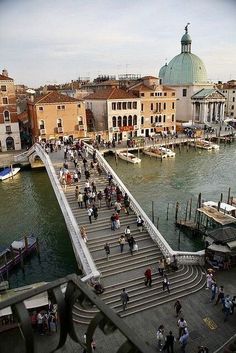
[123, 270]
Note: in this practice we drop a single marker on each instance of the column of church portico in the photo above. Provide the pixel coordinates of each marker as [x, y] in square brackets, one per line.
[204, 115]
[211, 112]
[193, 112]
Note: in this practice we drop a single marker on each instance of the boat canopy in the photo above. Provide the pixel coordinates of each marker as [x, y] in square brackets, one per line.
[223, 206]
[18, 244]
[218, 217]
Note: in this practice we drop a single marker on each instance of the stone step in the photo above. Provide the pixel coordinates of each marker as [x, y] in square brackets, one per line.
[115, 259]
[150, 300]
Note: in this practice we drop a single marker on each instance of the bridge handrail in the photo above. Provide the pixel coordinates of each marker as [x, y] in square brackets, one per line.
[81, 251]
[182, 256]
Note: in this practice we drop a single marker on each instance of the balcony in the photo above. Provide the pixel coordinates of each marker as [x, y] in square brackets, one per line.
[24, 336]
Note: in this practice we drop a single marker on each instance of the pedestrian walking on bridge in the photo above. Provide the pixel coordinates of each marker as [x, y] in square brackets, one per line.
[148, 277]
[107, 250]
[124, 299]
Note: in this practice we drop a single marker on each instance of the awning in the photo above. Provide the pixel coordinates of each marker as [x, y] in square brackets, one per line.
[232, 244]
[218, 217]
[35, 302]
[219, 248]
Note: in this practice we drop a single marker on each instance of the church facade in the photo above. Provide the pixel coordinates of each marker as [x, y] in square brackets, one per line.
[197, 99]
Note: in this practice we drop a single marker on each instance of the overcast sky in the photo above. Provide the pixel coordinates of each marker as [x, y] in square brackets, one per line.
[56, 41]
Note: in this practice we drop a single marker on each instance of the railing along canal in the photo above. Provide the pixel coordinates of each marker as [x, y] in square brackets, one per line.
[184, 257]
[76, 292]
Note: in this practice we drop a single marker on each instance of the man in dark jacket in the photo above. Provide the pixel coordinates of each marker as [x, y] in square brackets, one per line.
[169, 344]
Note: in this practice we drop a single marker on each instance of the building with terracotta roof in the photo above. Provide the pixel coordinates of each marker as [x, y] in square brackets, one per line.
[158, 106]
[57, 116]
[116, 113]
[9, 126]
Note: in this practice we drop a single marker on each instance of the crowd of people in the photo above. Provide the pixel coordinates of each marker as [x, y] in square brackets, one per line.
[217, 295]
[45, 321]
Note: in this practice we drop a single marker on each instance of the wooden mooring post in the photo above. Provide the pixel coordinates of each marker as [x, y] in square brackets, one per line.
[176, 211]
[167, 212]
[153, 212]
[229, 191]
[190, 209]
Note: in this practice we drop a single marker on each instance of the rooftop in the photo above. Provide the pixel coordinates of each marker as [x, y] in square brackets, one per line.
[5, 78]
[55, 97]
[111, 93]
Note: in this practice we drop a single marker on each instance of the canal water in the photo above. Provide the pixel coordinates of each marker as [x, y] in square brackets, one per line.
[179, 179]
[28, 205]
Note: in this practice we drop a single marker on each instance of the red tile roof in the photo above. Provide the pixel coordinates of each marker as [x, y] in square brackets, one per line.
[5, 78]
[55, 97]
[111, 93]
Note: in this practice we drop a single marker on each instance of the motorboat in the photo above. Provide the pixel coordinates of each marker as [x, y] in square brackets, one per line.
[206, 145]
[15, 253]
[129, 157]
[155, 152]
[8, 173]
[167, 151]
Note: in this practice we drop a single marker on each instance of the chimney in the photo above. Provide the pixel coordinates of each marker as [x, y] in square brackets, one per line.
[4, 72]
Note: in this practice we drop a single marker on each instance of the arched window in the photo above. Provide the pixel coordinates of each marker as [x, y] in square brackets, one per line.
[159, 109]
[119, 121]
[41, 124]
[130, 120]
[159, 118]
[124, 120]
[142, 120]
[59, 123]
[6, 115]
[114, 121]
[135, 119]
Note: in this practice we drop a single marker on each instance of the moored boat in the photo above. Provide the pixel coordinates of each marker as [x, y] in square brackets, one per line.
[16, 252]
[168, 151]
[155, 152]
[8, 173]
[206, 145]
[129, 157]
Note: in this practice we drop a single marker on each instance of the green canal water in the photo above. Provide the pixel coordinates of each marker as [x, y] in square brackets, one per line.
[179, 179]
[28, 205]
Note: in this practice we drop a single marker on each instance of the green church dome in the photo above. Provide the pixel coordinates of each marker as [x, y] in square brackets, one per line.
[185, 68]
[162, 71]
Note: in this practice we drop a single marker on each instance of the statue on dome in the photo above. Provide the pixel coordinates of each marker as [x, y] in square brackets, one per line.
[186, 27]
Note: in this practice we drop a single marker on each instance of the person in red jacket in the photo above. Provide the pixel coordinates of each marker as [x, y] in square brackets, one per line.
[148, 277]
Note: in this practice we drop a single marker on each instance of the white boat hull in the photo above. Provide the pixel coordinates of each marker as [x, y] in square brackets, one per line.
[129, 157]
[10, 174]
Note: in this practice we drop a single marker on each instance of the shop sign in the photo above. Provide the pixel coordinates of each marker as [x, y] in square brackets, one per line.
[126, 128]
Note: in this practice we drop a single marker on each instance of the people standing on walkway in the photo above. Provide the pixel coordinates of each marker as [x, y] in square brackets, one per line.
[76, 192]
[131, 243]
[161, 266]
[177, 307]
[100, 197]
[168, 263]
[127, 204]
[124, 298]
[209, 280]
[183, 340]
[90, 213]
[166, 284]
[122, 243]
[107, 250]
[83, 233]
[214, 290]
[148, 277]
[117, 221]
[80, 200]
[160, 337]
[182, 324]
[140, 222]
[127, 233]
[227, 306]
[95, 212]
[169, 343]
[113, 222]
[117, 207]
[221, 295]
